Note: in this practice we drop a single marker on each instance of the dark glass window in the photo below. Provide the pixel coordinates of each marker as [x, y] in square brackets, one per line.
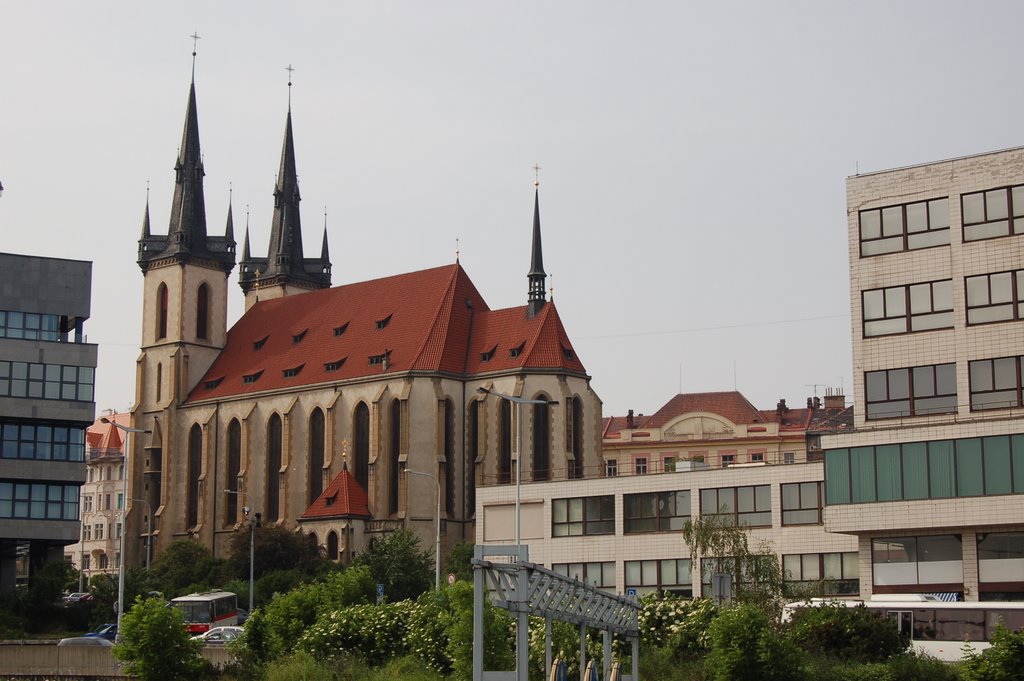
[904, 227]
[993, 213]
[361, 428]
[655, 511]
[995, 383]
[274, 444]
[995, 297]
[745, 506]
[583, 516]
[541, 440]
[904, 309]
[316, 455]
[449, 457]
[911, 392]
[161, 312]
[202, 310]
[801, 503]
[395, 452]
[505, 446]
[234, 468]
[195, 470]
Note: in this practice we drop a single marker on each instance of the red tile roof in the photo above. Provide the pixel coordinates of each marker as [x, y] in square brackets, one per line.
[105, 436]
[730, 404]
[343, 498]
[436, 321]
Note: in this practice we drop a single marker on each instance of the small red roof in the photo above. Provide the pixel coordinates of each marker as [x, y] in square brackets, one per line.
[730, 404]
[343, 498]
[105, 436]
[431, 320]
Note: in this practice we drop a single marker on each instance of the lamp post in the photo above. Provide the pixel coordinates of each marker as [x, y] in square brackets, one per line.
[252, 542]
[124, 513]
[519, 402]
[437, 529]
[149, 530]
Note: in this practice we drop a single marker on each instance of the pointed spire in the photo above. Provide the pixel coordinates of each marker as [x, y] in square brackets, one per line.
[229, 229]
[188, 210]
[145, 217]
[323, 248]
[536, 276]
[245, 247]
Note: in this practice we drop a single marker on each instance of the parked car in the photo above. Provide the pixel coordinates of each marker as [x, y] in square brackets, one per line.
[76, 597]
[243, 615]
[107, 631]
[85, 641]
[219, 636]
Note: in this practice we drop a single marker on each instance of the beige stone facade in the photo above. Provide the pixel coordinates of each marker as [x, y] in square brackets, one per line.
[931, 478]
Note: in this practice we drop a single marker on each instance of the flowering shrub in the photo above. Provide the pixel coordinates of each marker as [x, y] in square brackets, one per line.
[372, 633]
[428, 639]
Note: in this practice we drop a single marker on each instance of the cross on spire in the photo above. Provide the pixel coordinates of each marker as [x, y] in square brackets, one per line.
[536, 175]
[289, 69]
[195, 42]
[457, 251]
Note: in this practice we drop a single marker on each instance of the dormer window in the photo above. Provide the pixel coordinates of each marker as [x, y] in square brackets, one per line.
[297, 337]
[340, 330]
[210, 385]
[334, 366]
[260, 343]
[381, 323]
[329, 501]
[489, 355]
[294, 371]
[252, 378]
[380, 359]
[568, 353]
[516, 351]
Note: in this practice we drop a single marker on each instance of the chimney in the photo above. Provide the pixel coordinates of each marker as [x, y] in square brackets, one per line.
[629, 419]
[780, 408]
[834, 399]
[817, 402]
[810, 403]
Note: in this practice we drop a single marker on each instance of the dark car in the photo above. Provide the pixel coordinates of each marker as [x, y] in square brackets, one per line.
[105, 631]
[243, 615]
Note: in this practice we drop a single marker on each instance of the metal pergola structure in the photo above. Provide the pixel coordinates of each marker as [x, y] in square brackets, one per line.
[526, 589]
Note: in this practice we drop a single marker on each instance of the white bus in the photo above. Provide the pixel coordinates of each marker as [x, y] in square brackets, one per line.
[941, 629]
[204, 611]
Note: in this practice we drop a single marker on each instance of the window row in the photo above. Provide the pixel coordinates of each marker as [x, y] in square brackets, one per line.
[38, 501]
[29, 326]
[922, 224]
[931, 389]
[926, 470]
[46, 381]
[939, 560]
[41, 442]
[840, 572]
[669, 511]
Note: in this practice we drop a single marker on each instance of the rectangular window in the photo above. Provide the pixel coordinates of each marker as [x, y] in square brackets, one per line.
[611, 468]
[640, 465]
[583, 516]
[29, 326]
[46, 381]
[837, 573]
[728, 460]
[656, 511]
[995, 383]
[757, 457]
[669, 464]
[788, 457]
[1001, 546]
[916, 391]
[674, 575]
[746, 506]
[905, 227]
[905, 309]
[995, 297]
[601, 575]
[801, 503]
[98, 530]
[993, 213]
[38, 501]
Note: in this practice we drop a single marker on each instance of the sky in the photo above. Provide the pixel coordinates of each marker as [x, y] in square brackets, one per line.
[693, 156]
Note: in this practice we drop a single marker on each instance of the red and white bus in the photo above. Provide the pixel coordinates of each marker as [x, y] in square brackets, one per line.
[202, 612]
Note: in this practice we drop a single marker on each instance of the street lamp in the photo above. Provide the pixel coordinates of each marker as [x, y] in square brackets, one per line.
[519, 402]
[252, 542]
[437, 531]
[124, 513]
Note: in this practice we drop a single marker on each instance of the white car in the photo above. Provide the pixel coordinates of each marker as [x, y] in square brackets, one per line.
[219, 636]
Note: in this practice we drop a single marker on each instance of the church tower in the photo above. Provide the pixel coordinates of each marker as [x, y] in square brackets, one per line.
[537, 277]
[184, 324]
[285, 271]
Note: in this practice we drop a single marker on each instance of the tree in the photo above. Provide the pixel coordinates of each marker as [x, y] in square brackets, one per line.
[155, 644]
[856, 634]
[459, 561]
[745, 645]
[183, 566]
[397, 561]
[715, 541]
[275, 548]
[1002, 662]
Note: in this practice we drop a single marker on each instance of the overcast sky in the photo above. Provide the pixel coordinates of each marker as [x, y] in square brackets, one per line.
[693, 156]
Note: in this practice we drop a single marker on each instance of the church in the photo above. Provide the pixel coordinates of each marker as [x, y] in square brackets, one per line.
[346, 411]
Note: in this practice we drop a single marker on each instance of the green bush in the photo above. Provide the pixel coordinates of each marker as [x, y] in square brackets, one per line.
[902, 667]
[276, 582]
[397, 561]
[499, 643]
[1003, 661]
[836, 631]
[428, 637]
[745, 644]
[155, 645]
[373, 633]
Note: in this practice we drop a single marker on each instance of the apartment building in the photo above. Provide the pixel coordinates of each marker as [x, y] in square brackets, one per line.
[930, 479]
[47, 379]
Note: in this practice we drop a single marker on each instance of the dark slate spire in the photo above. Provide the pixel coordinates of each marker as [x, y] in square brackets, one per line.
[229, 229]
[285, 262]
[186, 237]
[536, 277]
[145, 218]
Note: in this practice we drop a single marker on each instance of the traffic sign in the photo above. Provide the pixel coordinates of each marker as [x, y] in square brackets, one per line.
[451, 578]
[380, 592]
[631, 592]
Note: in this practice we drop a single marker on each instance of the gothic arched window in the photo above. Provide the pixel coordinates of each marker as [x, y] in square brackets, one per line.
[541, 440]
[273, 468]
[394, 452]
[161, 312]
[234, 468]
[472, 449]
[361, 430]
[195, 464]
[576, 436]
[332, 545]
[505, 446]
[449, 457]
[316, 455]
[202, 310]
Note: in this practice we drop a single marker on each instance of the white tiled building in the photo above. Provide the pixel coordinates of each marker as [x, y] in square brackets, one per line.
[931, 479]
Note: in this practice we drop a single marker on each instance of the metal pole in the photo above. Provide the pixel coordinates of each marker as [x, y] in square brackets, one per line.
[252, 559]
[519, 464]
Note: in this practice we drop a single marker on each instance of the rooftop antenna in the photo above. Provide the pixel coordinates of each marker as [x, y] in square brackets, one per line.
[195, 41]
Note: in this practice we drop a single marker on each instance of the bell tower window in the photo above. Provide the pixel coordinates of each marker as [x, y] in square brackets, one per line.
[161, 312]
[202, 311]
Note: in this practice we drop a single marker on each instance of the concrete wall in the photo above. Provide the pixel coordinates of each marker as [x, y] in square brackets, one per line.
[45, 659]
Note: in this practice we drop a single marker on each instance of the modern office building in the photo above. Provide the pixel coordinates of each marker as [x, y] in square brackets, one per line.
[47, 375]
[931, 477]
[700, 454]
